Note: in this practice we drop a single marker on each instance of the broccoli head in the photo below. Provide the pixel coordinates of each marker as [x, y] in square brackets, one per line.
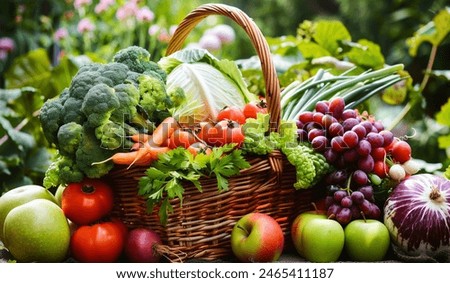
[138, 60]
[177, 96]
[62, 171]
[113, 135]
[154, 96]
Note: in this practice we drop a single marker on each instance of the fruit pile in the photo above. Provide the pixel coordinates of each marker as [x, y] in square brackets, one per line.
[361, 150]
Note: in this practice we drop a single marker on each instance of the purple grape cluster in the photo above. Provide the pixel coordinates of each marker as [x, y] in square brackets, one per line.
[356, 145]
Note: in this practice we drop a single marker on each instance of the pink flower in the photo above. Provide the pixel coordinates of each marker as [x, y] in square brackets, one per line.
[85, 25]
[210, 42]
[128, 10]
[154, 29]
[103, 6]
[6, 44]
[145, 15]
[80, 3]
[225, 33]
[60, 33]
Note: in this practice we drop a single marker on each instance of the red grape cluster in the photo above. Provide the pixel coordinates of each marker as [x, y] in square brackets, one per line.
[361, 150]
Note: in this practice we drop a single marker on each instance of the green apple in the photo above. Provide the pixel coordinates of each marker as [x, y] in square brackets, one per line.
[366, 240]
[37, 231]
[19, 196]
[298, 225]
[257, 237]
[323, 240]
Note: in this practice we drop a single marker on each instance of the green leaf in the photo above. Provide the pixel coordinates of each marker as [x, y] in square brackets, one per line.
[32, 69]
[312, 50]
[444, 141]
[366, 53]
[433, 32]
[447, 173]
[62, 74]
[328, 34]
[443, 116]
[23, 140]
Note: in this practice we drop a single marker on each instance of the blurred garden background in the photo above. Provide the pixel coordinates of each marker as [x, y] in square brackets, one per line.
[44, 42]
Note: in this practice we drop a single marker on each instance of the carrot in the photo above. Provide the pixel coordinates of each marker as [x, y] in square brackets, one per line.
[122, 158]
[140, 137]
[163, 131]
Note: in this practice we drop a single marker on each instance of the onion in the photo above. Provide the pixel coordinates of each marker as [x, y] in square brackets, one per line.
[417, 215]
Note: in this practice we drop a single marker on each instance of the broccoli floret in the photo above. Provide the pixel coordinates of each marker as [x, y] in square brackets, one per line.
[99, 104]
[153, 69]
[128, 96]
[51, 118]
[138, 60]
[62, 171]
[177, 96]
[113, 136]
[154, 98]
[310, 166]
[69, 137]
[90, 151]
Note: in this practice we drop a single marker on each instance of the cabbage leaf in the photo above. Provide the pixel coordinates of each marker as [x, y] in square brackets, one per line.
[209, 84]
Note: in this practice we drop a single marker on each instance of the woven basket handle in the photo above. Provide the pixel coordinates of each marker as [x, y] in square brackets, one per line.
[257, 39]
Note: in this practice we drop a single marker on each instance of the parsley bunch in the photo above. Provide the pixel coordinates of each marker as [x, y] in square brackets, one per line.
[166, 179]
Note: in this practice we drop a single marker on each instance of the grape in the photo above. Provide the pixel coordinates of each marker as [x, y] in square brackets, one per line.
[375, 211]
[333, 210]
[360, 131]
[336, 107]
[338, 144]
[357, 197]
[330, 155]
[375, 139]
[350, 156]
[378, 125]
[315, 133]
[350, 139]
[338, 177]
[319, 143]
[366, 163]
[367, 125]
[306, 117]
[335, 129]
[349, 123]
[344, 216]
[327, 120]
[299, 124]
[302, 135]
[322, 107]
[360, 177]
[388, 137]
[348, 113]
[328, 201]
[346, 201]
[317, 117]
[356, 212]
[365, 206]
[339, 195]
[367, 191]
[363, 148]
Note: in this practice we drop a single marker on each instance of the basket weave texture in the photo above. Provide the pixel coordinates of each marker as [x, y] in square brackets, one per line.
[201, 226]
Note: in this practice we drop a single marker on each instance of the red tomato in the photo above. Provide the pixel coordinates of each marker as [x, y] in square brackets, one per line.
[88, 201]
[181, 138]
[102, 242]
[231, 113]
[251, 109]
[228, 131]
[206, 132]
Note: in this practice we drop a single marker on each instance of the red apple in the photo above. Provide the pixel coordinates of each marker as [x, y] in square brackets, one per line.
[257, 237]
[142, 245]
[298, 225]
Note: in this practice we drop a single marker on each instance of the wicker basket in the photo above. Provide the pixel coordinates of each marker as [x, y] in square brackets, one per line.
[201, 227]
